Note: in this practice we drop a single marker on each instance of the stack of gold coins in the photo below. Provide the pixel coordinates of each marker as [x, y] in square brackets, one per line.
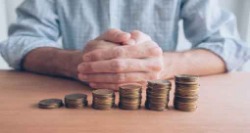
[157, 95]
[103, 99]
[130, 97]
[186, 92]
[50, 103]
[76, 101]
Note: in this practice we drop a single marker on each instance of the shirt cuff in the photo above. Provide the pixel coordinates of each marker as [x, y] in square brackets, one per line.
[234, 55]
[15, 49]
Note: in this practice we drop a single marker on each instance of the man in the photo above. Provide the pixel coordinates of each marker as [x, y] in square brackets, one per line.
[141, 46]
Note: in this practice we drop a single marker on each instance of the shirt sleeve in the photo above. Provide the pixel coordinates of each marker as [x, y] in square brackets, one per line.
[37, 26]
[208, 27]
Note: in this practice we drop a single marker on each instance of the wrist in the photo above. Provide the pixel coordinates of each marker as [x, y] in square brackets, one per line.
[67, 63]
[172, 64]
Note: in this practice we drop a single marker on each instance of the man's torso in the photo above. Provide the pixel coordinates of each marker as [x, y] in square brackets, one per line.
[83, 20]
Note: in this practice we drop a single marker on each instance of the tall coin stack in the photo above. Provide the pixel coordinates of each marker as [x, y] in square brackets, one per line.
[186, 92]
[157, 95]
[130, 97]
[76, 101]
[103, 99]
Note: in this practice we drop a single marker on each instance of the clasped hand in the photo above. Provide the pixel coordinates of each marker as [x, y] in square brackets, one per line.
[117, 58]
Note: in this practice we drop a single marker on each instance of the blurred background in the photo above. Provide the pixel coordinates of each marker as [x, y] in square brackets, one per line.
[239, 7]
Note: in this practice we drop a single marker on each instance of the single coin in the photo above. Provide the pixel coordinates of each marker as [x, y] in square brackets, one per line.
[186, 78]
[159, 83]
[74, 97]
[50, 103]
[103, 92]
[130, 88]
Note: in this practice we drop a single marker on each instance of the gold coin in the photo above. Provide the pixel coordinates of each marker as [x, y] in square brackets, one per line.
[186, 78]
[50, 103]
[103, 93]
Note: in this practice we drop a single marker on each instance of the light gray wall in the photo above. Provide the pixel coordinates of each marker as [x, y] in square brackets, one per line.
[3, 21]
[3, 30]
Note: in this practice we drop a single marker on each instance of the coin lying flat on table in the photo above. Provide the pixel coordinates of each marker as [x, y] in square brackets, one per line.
[186, 92]
[76, 100]
[50, 103]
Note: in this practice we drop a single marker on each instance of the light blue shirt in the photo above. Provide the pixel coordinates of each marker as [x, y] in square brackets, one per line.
[41, 23]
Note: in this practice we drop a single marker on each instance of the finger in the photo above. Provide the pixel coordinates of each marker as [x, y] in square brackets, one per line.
[146, 50]
[140, 37]
[114, 35]
[98, 44]
[129, 42]
[121, 65]
[114, 86]
[118, 78]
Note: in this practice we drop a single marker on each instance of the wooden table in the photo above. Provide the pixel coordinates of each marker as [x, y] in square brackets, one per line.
[224, 106]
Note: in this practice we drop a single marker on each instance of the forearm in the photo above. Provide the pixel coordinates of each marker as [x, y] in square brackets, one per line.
[196, 62]
[53, 61]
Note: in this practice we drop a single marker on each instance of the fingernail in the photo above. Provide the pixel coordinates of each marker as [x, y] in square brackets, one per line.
[130, 42]
[123, 36]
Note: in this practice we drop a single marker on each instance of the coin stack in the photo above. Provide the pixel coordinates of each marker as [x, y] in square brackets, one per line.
[103, 99]
[186, 92]
[157, 95]
[50, 103]
[76, 101]
[130, 97]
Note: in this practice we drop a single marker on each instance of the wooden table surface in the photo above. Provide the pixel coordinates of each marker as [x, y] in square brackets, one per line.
[224, 106]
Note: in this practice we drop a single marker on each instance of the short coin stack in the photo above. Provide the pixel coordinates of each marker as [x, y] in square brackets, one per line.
[50, 103]
[76, 101]
[186, 92]
[130, 97]
[103, 99]
[157, 95]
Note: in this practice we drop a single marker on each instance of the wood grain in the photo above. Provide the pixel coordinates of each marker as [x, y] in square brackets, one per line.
[224, 106]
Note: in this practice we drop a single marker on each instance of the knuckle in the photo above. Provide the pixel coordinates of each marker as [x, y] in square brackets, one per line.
[157, 65]
[153, 49]
[117, 65]
[156, 51]
[118, 52]
[95, 55]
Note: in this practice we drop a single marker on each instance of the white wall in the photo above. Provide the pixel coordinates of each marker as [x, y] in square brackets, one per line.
[3, 21]
[3, 30]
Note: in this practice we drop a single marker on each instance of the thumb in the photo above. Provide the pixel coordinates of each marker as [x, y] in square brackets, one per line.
[115, 36]
[140, 37]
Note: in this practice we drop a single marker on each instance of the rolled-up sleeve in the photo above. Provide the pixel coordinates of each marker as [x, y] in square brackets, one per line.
[36, 26]
[208, 27]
